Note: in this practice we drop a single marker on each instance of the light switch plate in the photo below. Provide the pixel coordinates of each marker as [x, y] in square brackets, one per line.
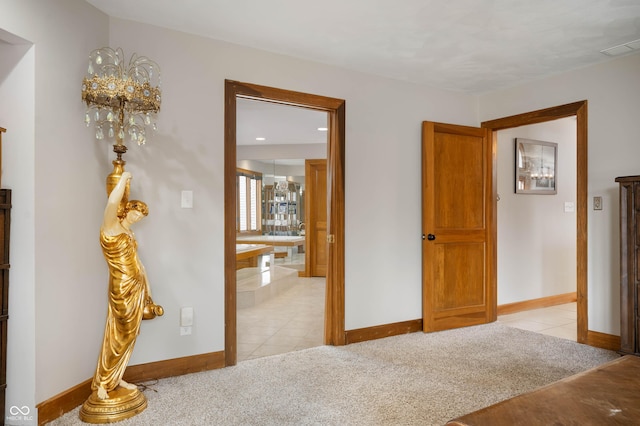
[186, 317]
[186, 201]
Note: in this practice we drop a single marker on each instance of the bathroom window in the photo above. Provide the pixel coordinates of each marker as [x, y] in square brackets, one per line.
[249, 190]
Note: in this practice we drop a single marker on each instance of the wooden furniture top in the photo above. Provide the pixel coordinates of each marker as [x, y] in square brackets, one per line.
[244, 251]
[274, 240]
[627, 178]
[607, 394]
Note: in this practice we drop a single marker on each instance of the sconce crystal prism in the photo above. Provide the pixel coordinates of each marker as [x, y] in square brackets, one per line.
[122, 98]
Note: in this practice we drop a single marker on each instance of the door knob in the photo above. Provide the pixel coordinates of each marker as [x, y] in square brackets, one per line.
[431, 237]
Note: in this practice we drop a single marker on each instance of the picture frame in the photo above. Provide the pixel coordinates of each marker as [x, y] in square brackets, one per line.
[536, 167]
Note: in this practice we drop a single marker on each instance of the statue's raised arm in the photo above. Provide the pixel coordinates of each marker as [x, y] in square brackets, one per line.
[111, 222]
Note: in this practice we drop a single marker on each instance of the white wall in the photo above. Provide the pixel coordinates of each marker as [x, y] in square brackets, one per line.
[17, 78]
[56, 172]
[613, 92]
[536, 236]
[383, 119]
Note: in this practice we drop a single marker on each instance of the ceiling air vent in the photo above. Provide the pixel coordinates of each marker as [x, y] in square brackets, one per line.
[622, 49]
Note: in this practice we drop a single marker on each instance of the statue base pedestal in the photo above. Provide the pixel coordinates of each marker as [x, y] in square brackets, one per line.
[121, 404]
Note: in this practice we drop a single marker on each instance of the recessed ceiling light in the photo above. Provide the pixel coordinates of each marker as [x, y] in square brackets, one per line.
[322, 129]
[261, 139]
[621, 49]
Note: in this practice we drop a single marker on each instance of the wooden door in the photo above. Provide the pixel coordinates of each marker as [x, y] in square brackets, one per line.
[458, 249]
[316, 217]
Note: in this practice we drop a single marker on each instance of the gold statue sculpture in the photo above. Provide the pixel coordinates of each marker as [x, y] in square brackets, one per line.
[130, 302]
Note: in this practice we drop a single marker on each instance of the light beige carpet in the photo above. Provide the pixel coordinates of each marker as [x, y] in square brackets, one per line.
[413, 379]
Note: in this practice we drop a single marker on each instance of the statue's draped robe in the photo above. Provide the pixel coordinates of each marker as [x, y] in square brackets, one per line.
[127, 292]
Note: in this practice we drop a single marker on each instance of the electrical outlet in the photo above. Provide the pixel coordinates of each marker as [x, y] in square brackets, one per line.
[185, 331]
[597, 202]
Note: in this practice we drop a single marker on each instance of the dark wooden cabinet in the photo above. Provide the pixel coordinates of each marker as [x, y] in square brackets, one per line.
[5, 224]
[629, 264]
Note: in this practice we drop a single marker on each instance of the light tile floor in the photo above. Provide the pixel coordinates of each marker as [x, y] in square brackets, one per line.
[289, 321]
[294, 320]
[558, 321]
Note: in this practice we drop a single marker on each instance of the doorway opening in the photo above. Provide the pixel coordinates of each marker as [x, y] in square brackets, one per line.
[334, 333]
[579, 111]
[536, 219]
[280, 292]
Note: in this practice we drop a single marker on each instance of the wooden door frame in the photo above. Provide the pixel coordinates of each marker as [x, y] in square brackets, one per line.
[334, 302]
[579, 110]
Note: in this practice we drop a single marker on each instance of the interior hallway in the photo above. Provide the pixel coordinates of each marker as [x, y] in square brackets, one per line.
[558, 321]
[293, 319]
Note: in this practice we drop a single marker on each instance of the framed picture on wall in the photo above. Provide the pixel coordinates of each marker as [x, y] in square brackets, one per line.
[536, 167]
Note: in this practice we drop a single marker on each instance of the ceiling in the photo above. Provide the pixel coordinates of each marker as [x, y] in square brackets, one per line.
[473, 46]
[278, 124]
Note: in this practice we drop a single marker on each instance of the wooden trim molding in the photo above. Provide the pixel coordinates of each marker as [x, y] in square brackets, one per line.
[382, 331]
[543, 302]
[66, 401]
[174, 367]
[604, 341]
[534, 117]
[335, 287]
[594, 338]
